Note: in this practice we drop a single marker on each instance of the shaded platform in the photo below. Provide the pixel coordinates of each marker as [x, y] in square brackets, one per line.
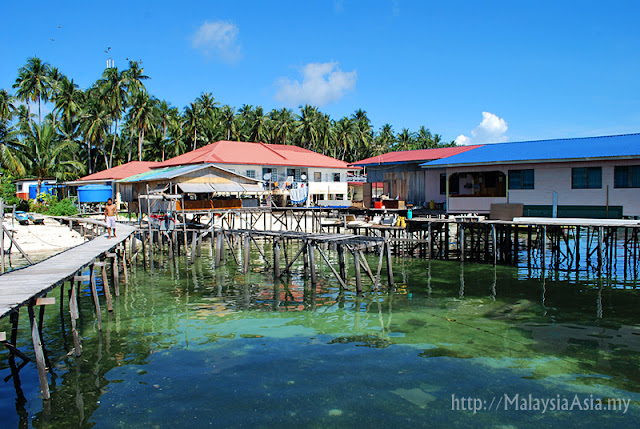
[20, 286]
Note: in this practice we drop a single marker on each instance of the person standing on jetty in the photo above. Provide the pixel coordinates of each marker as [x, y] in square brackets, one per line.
[110, 213]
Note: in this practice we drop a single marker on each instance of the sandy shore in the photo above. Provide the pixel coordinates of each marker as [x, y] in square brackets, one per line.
[41, 240]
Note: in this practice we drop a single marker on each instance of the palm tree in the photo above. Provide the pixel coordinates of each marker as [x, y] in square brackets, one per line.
[257, 125]
[283, 125]
[113, 88]
[227, 115]
[344, 132]
[9, 149]
[46, 155]
[6, 105]
[364, 134]
[134, 77]
[405, 139]
[167, 116]
[307, 126]
[144, 116]
[68, 103]
[33, 83]
[95, 125]
[386, 139]
[192, 121]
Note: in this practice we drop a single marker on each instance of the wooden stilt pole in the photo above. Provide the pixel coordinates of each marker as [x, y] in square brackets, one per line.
[389, 265]
[73, 313]
[305, 257]
[312, 263]
[341, 261]
[247, 253]
[37, 348]
[105, 283]
[356, 264]
[94, 292]
[276, 257]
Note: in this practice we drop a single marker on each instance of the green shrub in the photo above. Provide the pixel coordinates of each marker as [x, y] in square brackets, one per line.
[63, 207]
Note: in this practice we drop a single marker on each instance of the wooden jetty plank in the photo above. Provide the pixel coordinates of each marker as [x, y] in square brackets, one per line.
[36, 280]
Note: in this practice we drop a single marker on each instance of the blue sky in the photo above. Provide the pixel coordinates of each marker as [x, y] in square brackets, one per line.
[475, 71]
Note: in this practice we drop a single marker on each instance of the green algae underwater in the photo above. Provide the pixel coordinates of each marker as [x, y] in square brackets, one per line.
[451, 346]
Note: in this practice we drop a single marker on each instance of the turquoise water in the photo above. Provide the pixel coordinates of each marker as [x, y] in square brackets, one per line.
[199, 347]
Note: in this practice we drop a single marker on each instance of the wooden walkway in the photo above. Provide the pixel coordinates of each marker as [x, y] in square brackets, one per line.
[19, 287]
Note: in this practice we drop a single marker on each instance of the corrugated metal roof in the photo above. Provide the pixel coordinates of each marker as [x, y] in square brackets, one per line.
[243, 153]
[405, 156]
[557, 150]
[168, 173]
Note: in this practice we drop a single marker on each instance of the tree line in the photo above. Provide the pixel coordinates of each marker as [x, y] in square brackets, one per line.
[116, 120]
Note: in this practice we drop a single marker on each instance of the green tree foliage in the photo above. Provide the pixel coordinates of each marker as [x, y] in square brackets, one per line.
[116, 120]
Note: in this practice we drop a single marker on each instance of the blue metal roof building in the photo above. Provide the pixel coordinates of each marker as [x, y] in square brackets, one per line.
[557, 150]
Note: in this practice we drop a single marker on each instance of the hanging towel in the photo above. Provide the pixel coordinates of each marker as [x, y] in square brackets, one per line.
[298, 195]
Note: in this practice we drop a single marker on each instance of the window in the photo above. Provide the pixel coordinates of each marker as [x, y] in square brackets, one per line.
[454, 184]
[317, 176]
[586, 178]
[521, 179]
[250, 173]
[295, 173]
[271, 171]
[336, 177]
[626, 176]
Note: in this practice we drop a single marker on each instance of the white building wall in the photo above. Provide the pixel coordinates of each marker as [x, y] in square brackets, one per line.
[326, 174]
[432, 186]
[550, 177]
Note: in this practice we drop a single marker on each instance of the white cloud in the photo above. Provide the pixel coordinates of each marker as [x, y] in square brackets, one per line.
[492, 129]
[219, 39]
[322, 83]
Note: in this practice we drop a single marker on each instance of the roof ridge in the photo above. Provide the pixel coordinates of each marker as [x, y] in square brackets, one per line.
[272, 150]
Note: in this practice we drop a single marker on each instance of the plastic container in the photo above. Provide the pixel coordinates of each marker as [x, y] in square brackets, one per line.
[409, 214]
[44, 189]
[94, 193]
[377, 204]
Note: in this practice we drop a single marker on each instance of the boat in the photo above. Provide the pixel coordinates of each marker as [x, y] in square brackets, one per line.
[36, 218]
[21, 217]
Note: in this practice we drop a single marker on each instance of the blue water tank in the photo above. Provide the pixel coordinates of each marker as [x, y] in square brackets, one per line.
[44, 189]
[94, 193]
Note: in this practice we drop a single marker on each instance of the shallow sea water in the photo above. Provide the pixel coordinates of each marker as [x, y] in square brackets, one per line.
[199, 347]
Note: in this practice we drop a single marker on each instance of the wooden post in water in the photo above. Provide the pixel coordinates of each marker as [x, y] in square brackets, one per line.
[312, 263]
[305, 258]
[600, 240]
[94, 292]
[461, 241]
[105, 283]
[356, 263]
[247, 248]
[341, 262]
[276, 257]
[389, 265]
[219, 247]
[430, 240]
[543, 247]
[73, 314]
[37, 348]
[116, 271]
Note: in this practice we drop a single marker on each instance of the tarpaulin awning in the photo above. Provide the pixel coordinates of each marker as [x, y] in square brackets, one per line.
[195, 188]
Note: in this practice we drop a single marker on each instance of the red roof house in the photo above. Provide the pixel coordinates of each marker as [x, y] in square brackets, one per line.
[120, 172]
[246, 153]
